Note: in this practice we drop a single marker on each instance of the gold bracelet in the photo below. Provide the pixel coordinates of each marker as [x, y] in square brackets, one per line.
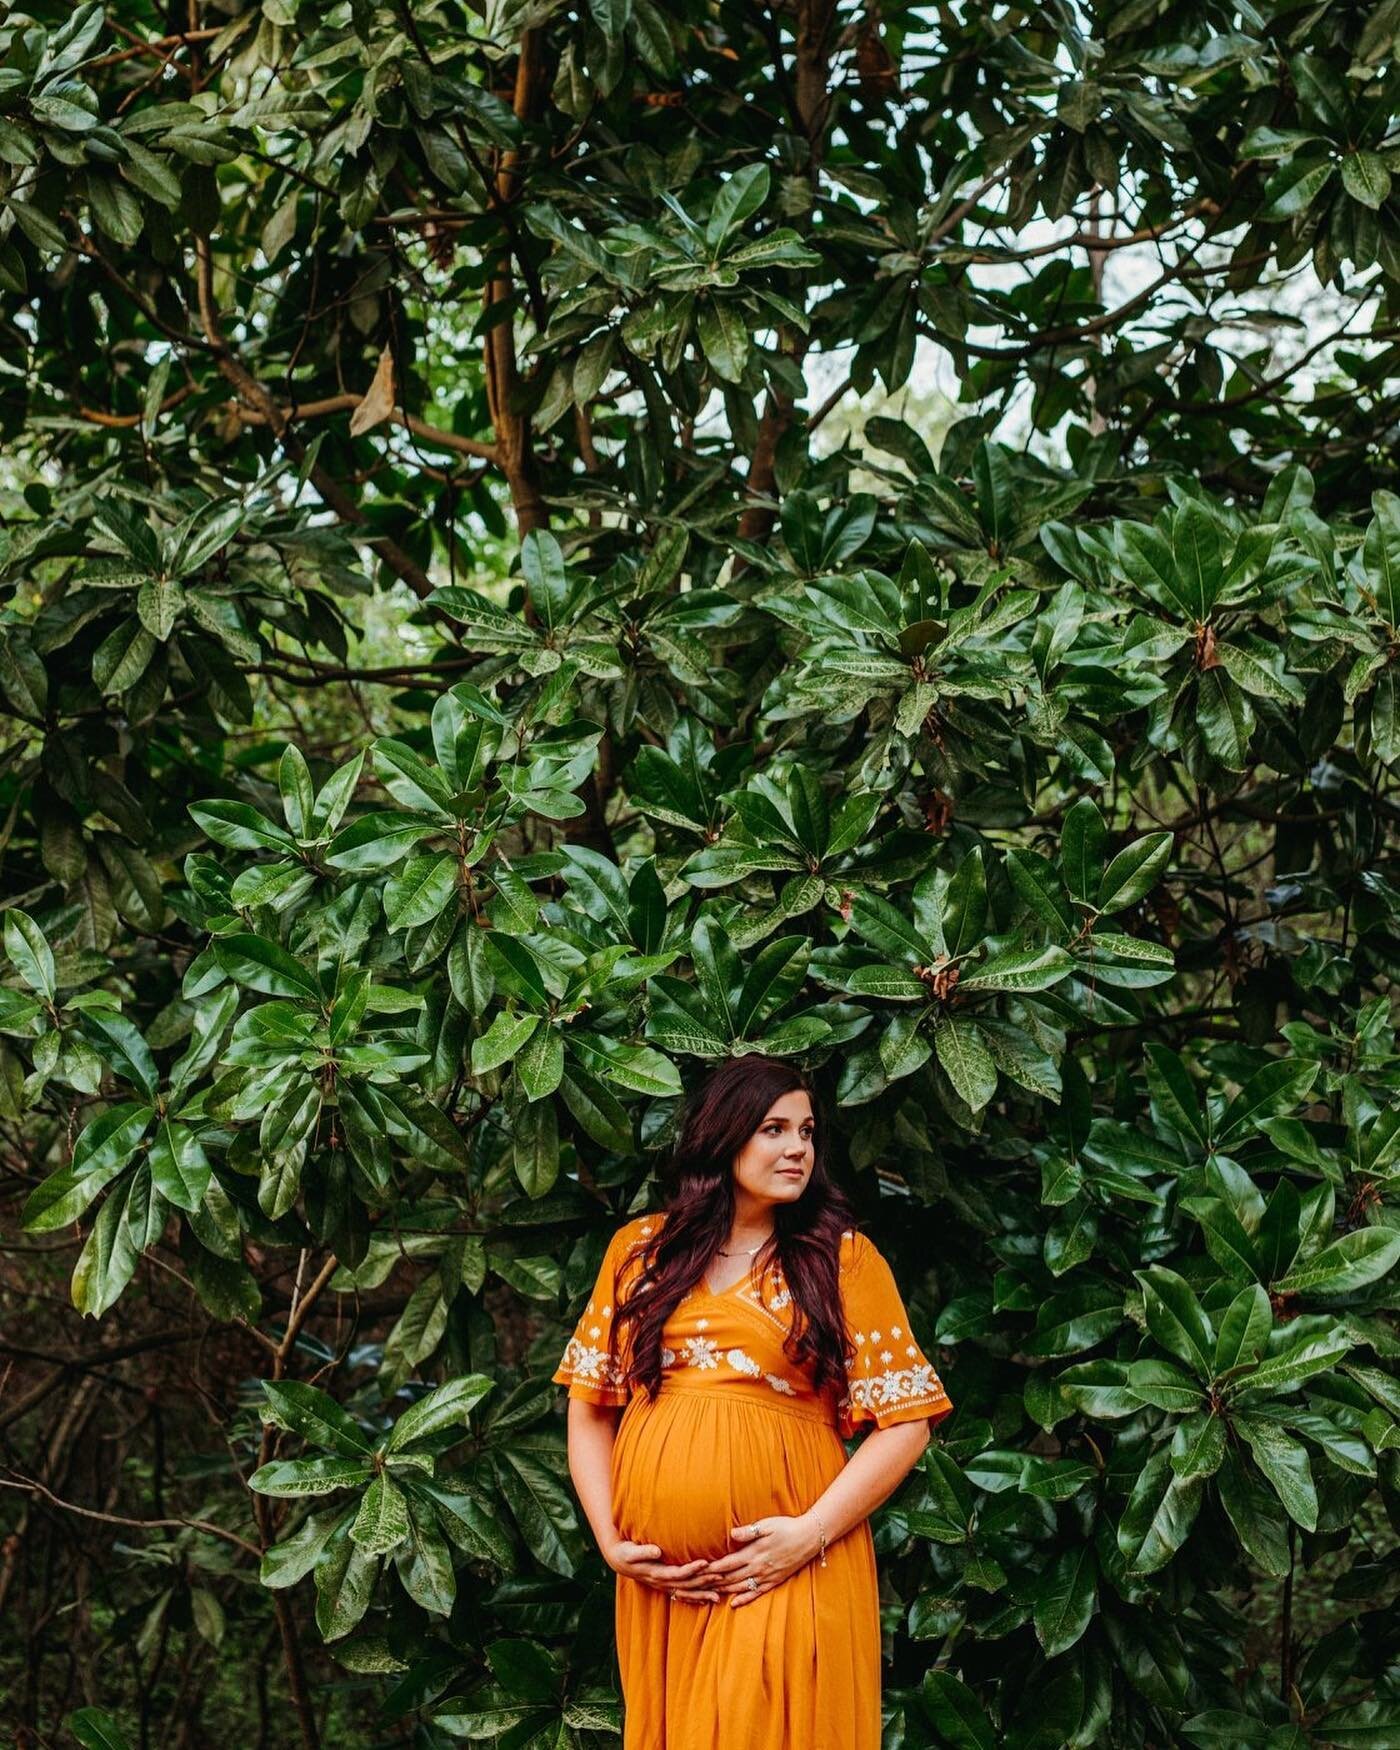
[822, 1531]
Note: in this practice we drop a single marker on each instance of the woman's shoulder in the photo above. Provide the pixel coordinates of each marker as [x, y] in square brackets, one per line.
[636, 1232]
[856, 1247]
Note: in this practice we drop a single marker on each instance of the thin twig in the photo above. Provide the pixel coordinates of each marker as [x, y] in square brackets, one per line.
[205, 1525]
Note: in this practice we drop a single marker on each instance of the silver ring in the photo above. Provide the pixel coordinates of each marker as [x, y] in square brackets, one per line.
[751, 1583]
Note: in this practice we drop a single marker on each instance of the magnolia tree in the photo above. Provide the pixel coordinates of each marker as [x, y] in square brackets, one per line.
[453, 691]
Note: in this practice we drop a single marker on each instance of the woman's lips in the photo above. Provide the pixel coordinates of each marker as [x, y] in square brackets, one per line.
[790, 1172]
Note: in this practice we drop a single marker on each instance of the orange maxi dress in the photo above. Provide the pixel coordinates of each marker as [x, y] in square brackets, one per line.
[735, 1434]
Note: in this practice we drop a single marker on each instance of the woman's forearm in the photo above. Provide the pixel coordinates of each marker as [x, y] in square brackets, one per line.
[871, 1475]
[592, 1431]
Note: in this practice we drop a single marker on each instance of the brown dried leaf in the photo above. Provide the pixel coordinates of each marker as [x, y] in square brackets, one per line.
[378, 403]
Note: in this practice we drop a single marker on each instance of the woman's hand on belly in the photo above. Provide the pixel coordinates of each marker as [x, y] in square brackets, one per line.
[775, 1547]
[642, 1562]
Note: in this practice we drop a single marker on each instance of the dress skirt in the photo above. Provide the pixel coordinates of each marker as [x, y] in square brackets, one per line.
[797, 1667]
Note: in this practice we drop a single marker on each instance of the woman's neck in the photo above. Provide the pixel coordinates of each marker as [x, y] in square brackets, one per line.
[749, 1228]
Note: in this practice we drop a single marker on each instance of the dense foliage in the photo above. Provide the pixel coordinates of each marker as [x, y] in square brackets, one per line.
[452, 690]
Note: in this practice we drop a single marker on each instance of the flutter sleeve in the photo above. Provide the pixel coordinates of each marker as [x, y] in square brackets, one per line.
[891, 1379]
[586, 1366]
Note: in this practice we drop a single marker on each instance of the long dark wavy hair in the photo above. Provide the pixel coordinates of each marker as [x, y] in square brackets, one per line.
[717, 1121]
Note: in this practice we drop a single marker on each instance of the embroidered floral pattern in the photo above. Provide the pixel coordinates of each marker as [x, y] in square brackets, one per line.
[897, 1388]
[742, 1363]
[591, 1364]
[701, 1352]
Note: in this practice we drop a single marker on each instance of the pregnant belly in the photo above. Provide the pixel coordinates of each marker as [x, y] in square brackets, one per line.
[694, 1464]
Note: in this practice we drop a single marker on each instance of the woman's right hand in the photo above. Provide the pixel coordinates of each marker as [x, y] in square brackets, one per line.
[642, 1562]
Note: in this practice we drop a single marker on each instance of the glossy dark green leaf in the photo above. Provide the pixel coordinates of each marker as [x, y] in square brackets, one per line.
[345, 1582]
[240, 827]
[1254, 1512]
[1082, 838]
[309, 1476]
[266, 966]
[1065, 1599]
[965, 1059]
[108, 1259]
[1159, 1515]
[1350, 1262]
[424, 1562]
[284, 1563]
[314, 1415]
[1177, 1320]
[179, 1165]
[29, 953]
[955, 1711]
[95, 1729]
[1134, 871]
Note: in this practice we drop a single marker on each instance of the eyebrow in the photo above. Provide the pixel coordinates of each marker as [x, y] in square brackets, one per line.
[777, 1119]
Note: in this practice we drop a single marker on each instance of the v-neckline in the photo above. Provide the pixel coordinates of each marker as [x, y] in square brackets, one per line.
[721, 1293]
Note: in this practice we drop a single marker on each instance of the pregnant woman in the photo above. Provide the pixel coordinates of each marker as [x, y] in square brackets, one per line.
[743, 1332]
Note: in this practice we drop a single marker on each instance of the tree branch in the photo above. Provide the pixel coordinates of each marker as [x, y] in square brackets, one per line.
[429, 434]
[254, 396]
[205, 1525]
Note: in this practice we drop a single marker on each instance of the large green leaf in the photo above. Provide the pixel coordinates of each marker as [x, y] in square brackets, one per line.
[1284, 1461]
[284, 1563]
[108, 1259]
[309, 1476]
[1159, 1515]
[966, 1060]
[1012, 969]
[345, 1581]
[1295, 1352]
[305, 1410]
[1177, 1320]
[887, 929]
[29, 953]
[502, 1041]
[382, 1521]
[240, 827]
[266, 966]
[1270, 1092]
[179, 1166]
[1254, 1512]
[96, 1730]
[423, 888]
[1134, 871]
[446, 1407]
[540, 1062]
[1081, 849]
[955, 1711]
[1350, 1262]
[1065, 1598]
[965, 905]
[424, 1562]
[474, 1530]
[539, 1505]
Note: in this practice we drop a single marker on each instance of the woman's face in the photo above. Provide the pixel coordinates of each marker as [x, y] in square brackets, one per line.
[776, 1162]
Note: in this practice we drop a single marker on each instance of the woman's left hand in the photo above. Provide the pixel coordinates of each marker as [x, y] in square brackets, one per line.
[773, 1549]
